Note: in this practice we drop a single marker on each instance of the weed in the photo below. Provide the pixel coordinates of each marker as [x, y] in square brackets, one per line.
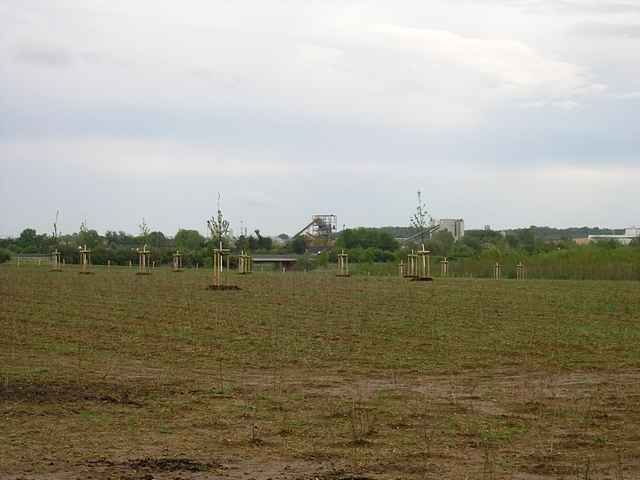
[361, 420]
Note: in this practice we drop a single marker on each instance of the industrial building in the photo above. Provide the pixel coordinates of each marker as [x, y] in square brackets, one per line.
[629, 234]
[455, 226]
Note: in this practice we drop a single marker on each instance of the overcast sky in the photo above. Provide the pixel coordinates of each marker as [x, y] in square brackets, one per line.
[508, 113]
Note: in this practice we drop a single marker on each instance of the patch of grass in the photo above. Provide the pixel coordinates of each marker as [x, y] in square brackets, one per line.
[165, 429]
[501, 433]
[86, 414]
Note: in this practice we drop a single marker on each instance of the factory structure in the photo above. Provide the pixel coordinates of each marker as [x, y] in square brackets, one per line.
[455, 226]
[629, 235]
[322, 230]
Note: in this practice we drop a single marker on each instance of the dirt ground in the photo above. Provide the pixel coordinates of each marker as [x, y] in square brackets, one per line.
[377, 380]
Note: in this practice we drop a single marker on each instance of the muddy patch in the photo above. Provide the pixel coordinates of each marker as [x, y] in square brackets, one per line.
[171, 465]
[41, 393]
[155, 465]
[340, 475]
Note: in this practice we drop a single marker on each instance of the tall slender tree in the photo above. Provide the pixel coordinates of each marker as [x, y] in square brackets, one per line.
[86, 236]
[421, 220]
[55, 231]
[218, 226]
[145, 230]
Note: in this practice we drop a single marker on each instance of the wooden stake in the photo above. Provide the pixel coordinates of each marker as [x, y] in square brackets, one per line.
[444, 267]
[343, 265]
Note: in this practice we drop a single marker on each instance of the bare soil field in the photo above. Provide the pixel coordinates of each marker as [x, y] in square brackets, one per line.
[308, 376]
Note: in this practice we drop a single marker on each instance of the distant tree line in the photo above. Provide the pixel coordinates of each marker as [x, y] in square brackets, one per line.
[120, 247]
[546, 256]
[364, 245]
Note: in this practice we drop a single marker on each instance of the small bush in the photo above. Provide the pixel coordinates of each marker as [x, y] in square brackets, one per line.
[5, 255]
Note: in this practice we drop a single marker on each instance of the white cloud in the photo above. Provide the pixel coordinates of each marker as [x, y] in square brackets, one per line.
[392, 95]
[510, 62]
[327, 62]
[565, 104]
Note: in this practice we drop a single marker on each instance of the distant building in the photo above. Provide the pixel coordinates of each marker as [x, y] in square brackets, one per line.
[455, 226]
[625, 239]
[633, 232]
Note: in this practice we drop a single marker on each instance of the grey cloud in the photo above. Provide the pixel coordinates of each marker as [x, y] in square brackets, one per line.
[608, 30]
[628, 96]
[101, 58]
[596, 134]
[44, 56]
[219, 78]
[50, 56]
[568, 7]
[599, 7]
[594, 7]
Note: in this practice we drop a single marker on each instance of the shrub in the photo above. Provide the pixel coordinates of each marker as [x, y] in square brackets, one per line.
[5, 255]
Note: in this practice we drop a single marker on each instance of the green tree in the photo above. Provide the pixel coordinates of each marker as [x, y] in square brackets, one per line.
[5, 255]
[218, 226]
[441, 243]
[189, 240]
[421, 220]
[462, 250]
[527, 239]
[610, 244]
[366, 238]
[157, 239]
[264, 243]
[145, 230]
[117, 239]
[513, 240]
[88, 237]
[298, 245]
[27, 238]
[111, 238]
